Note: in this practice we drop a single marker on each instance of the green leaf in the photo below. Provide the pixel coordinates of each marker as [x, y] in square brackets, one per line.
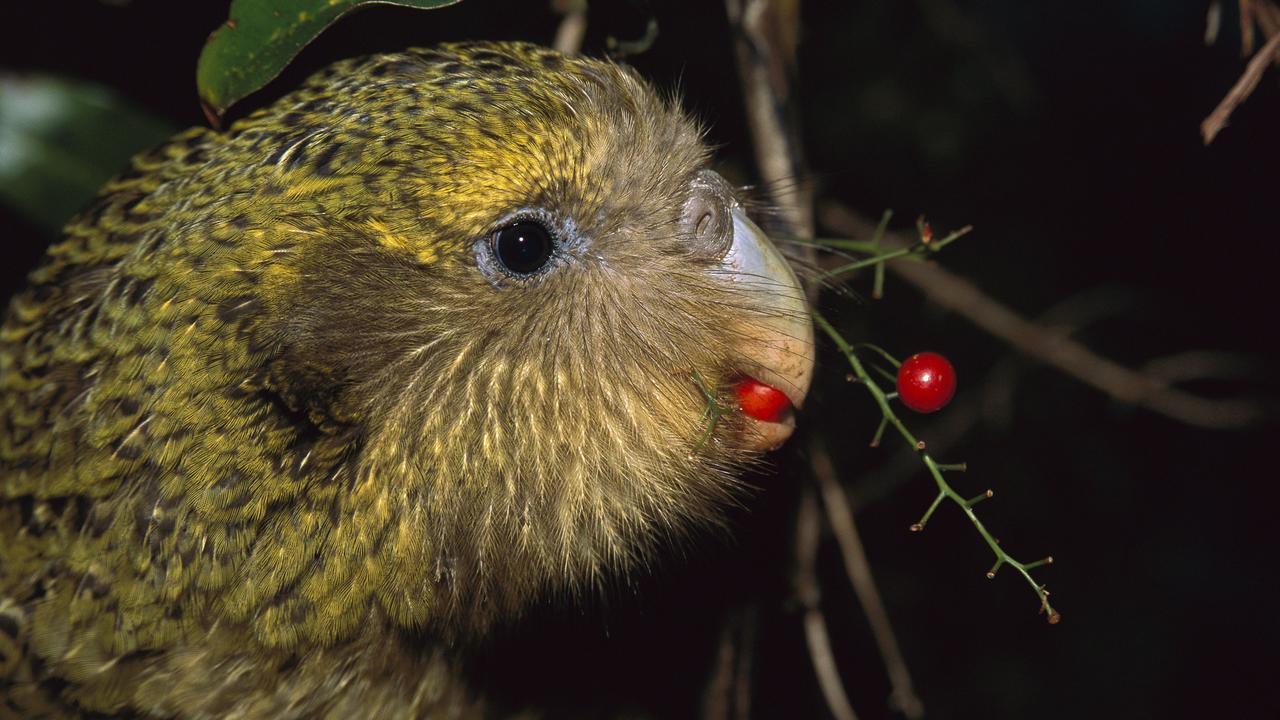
[262, 36]
[61, 140]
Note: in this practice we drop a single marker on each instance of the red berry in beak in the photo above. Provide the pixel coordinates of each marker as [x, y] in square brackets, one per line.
[761, 402]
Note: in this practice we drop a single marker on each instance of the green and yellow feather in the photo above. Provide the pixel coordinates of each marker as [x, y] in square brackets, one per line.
[271, 445]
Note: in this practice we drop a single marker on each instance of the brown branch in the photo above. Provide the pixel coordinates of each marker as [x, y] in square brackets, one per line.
[1246, 27]
[1217, 119]
[1267, 16]
[858, 568]
[991, 403]
[1212, 22]
[573, 25]
[1200, 365]
[728, 692]
[818, 640]
[766, 34]
[765, 37]
[717, 698]
[743, 672]
[1052, 348]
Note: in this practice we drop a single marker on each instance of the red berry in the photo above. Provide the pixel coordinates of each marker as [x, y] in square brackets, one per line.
[926, 382]
[761, 401]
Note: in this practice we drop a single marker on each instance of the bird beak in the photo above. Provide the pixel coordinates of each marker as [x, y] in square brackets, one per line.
[776, 345]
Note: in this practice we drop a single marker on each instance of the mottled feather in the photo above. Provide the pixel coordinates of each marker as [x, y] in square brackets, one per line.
[274, 445]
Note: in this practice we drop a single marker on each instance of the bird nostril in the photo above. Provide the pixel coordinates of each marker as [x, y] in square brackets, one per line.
[706, 220]
[704, 224]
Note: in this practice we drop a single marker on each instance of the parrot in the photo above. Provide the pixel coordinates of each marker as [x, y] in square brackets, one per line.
[297, 412]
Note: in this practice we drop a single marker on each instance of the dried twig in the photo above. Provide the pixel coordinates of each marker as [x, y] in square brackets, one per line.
[1267, 15]
[1246, 27]
[1202, 365]
[573, 25]
[728, 692]
[1212, 22]
[765, 36]
[742, 674]
[902, 696]
[766, 33]
[1052, 348]
[808, 527]
[991, 404]
[1217, 119]
[717, 698]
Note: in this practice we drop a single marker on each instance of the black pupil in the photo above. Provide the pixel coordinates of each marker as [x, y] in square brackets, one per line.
[523, 248]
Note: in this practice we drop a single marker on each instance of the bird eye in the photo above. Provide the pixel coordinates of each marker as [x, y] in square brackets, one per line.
[523, 247]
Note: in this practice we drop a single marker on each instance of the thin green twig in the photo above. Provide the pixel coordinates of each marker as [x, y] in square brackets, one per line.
[885, 374]
[877, 285]
[865, 247]
[920, 247]
[713, 411]
[945, 491]
[881, 352]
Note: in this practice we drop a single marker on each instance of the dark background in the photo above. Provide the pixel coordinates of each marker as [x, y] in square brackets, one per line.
[1067, 134]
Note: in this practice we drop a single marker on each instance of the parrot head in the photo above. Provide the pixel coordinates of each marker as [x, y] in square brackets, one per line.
[439, 335]
[534, 305]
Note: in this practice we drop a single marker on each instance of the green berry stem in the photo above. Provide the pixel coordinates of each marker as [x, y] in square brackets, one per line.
[713, 411]
[878, 259]
[924, 519]
[877, 285]
[865, 247]
[976, 498]
[945, 491]
[881, 352]
[885, 374]
[875, 439]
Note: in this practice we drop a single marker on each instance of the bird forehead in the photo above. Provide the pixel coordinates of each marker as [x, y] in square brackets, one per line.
[427, 150]
[505, 125]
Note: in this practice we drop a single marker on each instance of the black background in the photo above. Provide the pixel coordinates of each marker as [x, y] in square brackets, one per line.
[1067, 134]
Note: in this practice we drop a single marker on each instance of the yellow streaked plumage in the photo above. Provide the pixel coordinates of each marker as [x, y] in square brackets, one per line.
[282, 431]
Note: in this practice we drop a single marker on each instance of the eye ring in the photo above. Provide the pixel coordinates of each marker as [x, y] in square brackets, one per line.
[524, 247]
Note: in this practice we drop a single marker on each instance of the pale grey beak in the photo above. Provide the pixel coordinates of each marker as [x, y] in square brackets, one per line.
[777, 346]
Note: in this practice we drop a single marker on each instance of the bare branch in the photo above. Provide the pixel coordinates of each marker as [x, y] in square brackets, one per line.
[1217, 119]
[717, 697]
[765, 36]
[808, 527]
[1052, 348]
[1202, 365]
[858, 568]
[742, 673]
[728, 692]
[1212, 22]
[1246, 27]
[573, 26]
[1268, 17]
